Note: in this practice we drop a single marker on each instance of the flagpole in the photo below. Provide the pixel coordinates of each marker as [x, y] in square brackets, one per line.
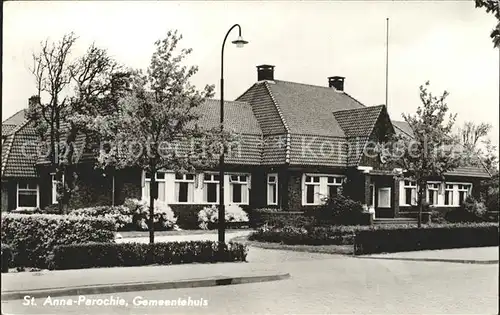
[387, 65]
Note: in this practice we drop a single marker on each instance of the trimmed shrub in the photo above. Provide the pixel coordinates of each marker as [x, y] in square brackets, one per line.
[92, 255]
[164, 217]
[428, 237]
[305, 235]
[339, 209]
[208, 217]
[119, 214]
[6, 257]
[277, 217]
[471, 210]
[32, 237]
[187, 215]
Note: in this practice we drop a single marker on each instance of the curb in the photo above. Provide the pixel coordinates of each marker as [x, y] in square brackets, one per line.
[458, 261]
[140, 286]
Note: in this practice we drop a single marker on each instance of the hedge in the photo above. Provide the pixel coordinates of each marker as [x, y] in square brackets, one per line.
[78, 256]
[32, 237]
[6, 257]
[428, 237]
[306, 235]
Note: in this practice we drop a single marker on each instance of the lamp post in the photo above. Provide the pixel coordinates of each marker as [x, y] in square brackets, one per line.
[239, 43]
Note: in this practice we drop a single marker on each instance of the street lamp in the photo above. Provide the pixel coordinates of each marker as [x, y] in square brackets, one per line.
[239, 43]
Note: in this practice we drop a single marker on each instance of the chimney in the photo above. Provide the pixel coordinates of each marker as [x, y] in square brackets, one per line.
[336, 82]
[265, 72]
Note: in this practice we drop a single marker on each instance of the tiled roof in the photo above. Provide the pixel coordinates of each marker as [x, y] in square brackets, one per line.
[238, 117]
[307, 109]
[469, 171]
[356, 147]
[358, 122]
[264, 109]
[19, 152]
[7, 129]
[274, 149]
[318, 150]
[9, 124]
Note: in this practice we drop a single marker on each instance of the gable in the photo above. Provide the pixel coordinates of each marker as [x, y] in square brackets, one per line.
[264, 109]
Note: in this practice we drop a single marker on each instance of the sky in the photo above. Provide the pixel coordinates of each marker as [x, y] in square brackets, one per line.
[444, 42]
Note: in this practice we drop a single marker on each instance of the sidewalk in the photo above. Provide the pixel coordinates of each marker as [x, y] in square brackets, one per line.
[120, 279]
[184, 238]
[484, 255]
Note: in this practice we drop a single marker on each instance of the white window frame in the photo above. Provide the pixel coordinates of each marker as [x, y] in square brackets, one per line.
[337, 182]
[269, 184]
[145, 189]
[442, 190]
[467, 190]
[323, 184]
[189, 181]
[31, 190]
[238, 181]
[448, 190]
[431, 187]
[411, 184]
[209, 178]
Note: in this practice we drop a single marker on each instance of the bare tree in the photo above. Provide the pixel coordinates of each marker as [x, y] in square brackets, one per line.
[67, 90]
[471, 133]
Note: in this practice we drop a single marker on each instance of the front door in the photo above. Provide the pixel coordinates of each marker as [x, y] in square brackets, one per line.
[383, 201]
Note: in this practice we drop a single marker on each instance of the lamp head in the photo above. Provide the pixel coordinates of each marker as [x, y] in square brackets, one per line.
[239, 42]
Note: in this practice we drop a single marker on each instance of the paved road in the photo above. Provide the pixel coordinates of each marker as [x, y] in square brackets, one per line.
[322, 284]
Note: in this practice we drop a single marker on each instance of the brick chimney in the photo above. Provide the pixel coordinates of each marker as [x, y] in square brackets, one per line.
[265, 72]
[336, 82]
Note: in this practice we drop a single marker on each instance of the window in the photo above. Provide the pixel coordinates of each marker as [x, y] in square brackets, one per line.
[184, 187]
[312, 190]
[463, 192]
[272, 189]
[448, 195]
[238, 189]
[432, 193]
[333, 184]
[160, 180]
[27, 195]
[316, 187]
[384, 197]
[211, 188]
[409, 192]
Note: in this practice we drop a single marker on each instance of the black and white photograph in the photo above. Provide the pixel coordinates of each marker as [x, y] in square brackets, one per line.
[250, 157]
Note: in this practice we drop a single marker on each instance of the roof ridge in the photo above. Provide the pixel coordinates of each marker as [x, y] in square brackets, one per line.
[228, 101]
[280, 113]
[323, 87]
[9, 145]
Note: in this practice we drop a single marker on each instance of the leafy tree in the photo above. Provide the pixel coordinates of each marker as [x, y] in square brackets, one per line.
[155, 126]
[492, 6]
[66, 88]
[432, 151]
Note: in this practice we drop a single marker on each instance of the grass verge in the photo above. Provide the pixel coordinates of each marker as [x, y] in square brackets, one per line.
[322, 249]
